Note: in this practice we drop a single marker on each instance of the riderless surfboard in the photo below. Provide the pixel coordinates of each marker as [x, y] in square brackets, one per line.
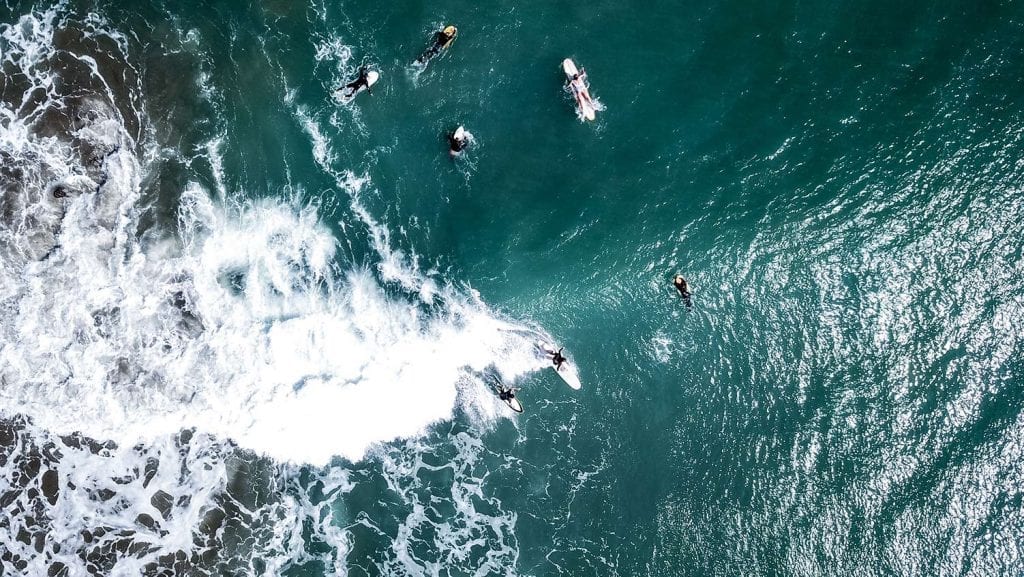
[567, 372]
[578, 85]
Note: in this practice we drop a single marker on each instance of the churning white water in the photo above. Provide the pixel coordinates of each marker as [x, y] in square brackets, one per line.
[240, 323]
[237, 326]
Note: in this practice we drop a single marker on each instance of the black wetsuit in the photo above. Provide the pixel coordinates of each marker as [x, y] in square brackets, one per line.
[440, 41]
[684, 290]
[353, 87]
[456, 144]
[506, 394]
[558, 359]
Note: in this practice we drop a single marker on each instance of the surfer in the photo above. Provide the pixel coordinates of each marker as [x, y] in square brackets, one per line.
[457, 141]
[362, 81]
[442, 38]
[558, 359]
[684, 289]
[506, 393]
[578, 86]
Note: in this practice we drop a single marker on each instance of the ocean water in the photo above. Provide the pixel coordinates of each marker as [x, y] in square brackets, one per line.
[248, 329]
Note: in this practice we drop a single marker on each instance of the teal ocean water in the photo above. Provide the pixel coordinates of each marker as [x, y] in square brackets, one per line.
[249, 329]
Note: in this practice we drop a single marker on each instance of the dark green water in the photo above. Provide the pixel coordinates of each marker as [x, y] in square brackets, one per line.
[839, 181]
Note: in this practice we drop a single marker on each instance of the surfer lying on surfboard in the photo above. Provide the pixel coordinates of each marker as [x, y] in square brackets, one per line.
[457, 141]
[442, 39]
[579, 87]
[684, 289]
[365, 80]
[576, 80]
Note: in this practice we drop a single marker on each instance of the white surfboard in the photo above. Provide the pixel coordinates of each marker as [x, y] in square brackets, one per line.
[567, 372]
[515, 405]
[579, 89]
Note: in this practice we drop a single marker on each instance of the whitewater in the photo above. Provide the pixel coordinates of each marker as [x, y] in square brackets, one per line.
[248, 328]
[239, 326]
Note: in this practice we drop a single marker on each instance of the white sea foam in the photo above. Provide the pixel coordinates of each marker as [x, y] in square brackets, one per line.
[103, 494]
[246, 333]
[441, 533]
[242, 326]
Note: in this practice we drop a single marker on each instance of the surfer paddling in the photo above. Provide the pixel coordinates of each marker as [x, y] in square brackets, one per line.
[577, 83]
[442, 39]
[579, 87]
[684, 289]
[457, 142]
[363, 81]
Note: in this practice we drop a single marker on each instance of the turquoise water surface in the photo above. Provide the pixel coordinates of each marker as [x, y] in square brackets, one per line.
[840, 182]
